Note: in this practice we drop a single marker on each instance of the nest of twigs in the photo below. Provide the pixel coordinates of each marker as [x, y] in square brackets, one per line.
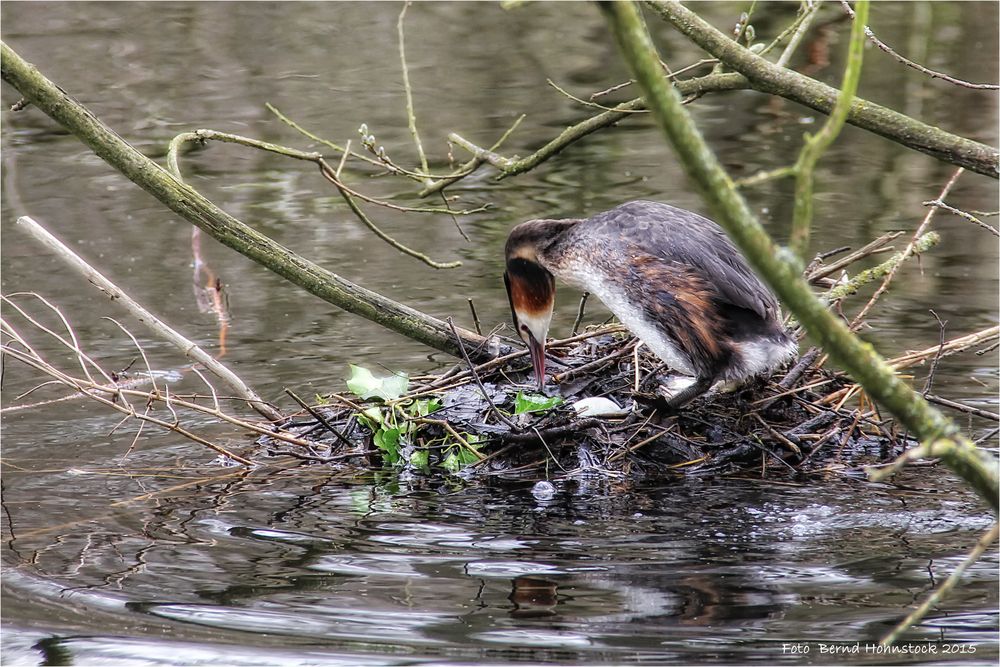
[482, 420]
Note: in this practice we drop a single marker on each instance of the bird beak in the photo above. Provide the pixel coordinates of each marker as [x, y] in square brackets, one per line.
[537, 350]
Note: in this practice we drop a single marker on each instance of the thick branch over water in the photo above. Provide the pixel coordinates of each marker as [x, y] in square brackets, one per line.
[199, 211]
[764, 76]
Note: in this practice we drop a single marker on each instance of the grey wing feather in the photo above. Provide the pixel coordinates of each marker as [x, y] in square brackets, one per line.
[676, 235]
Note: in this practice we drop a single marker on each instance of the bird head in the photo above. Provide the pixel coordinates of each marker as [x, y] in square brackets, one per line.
[531, 287]
[531, 292]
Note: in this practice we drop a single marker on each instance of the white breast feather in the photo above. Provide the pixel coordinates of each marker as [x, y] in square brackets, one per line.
[585, 278]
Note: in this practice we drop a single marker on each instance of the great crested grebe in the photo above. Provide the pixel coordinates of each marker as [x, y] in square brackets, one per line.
[669, 275]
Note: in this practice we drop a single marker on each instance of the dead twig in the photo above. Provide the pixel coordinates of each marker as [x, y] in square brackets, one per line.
[917, 66]
[962, 214]
[910, 247]
[475, 376]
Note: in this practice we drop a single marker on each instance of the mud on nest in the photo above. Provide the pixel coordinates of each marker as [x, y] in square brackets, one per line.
[484, 422]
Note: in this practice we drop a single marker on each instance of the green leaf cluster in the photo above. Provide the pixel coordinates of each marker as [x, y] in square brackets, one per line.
[396, 423]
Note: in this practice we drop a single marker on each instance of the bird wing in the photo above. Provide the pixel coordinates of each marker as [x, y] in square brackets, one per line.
[684, 239]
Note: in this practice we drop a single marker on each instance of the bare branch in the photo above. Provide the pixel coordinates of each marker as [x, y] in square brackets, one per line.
[917, 66]
[152, 322]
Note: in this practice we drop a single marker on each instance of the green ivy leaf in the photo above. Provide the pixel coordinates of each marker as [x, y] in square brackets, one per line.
[424, 407]
[451, 463]
[534, 403]
[466, 457]
[372, 418]
[420, 458]
[387, 440]
[365, 385]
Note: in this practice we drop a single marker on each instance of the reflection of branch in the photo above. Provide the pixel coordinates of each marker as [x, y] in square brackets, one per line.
[767, 77]
[155, 325]
[917, 66]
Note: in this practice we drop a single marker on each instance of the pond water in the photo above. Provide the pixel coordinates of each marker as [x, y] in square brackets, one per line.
[167, 557]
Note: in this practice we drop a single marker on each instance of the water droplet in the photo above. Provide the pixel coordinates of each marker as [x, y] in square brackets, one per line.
[543, 491]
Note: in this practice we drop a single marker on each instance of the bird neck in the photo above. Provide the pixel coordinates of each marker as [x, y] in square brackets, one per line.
[530, 286]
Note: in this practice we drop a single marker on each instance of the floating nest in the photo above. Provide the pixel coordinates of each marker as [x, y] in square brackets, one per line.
[487, 420]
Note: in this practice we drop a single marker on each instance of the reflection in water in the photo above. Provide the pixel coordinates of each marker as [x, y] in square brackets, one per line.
[422, 567]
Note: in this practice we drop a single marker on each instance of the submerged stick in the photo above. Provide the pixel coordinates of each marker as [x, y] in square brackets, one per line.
[152, 322]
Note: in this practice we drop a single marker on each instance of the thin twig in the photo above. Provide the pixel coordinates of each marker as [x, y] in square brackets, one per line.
[929, 382]
[951, 347]
[962, 407]
[411, 117]
[807, 12]
[764, 177]
[801, 16]
[587, 103]
[475, 317]
[592, 366]
[306, 133]
[844, 262]
[319, 417]
[94, 391]
[84, 386]
[962, 214]
[910, 248]
[917, 66]
[455, 434]
[475, 376]
[845, 288]
[330, 176]
[142, 352]
[579, 313]
[152, 322]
